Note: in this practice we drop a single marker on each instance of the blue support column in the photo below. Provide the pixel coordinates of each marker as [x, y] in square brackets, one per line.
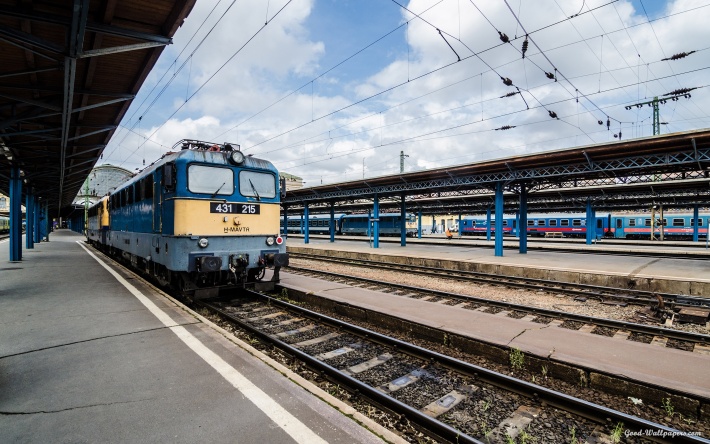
[285, 227]
[15, 214]
[419, 225]
[499, 219]
[29, 220]
[368, 229]
[38, 220]
[523, 223]
[460, 224]
[44, 226]
[403, 223]
[332, 221]
[591, 223]
[488, 223]
[695, 223]
[306, 225]
[376, 225]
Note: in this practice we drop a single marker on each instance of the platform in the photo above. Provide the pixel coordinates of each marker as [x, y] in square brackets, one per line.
[89, 353]
[602, 358]
[585, 264]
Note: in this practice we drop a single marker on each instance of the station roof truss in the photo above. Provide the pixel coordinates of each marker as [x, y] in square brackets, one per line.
[70, 71]
[672, 169]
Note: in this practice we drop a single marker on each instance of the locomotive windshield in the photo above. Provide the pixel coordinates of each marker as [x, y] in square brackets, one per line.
[255, 184]
[210, 180]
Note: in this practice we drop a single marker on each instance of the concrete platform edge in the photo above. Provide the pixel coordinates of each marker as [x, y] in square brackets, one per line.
[692, 287]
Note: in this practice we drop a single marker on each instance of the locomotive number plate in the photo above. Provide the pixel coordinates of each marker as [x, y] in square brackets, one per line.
[234, 208]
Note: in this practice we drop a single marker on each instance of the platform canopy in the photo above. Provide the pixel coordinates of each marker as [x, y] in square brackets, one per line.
[69, 72]
[671, 170]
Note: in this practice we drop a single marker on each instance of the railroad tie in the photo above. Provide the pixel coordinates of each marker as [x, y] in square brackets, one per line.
[338, 352]
[374, 362]
[448, 401]
[403, 381]
[317, 340]
[514, 424]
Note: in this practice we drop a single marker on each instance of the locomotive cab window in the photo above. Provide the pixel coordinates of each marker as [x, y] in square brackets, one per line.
[256, 184]
[214, 181]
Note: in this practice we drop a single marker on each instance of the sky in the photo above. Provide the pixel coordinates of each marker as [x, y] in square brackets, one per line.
[340, 90]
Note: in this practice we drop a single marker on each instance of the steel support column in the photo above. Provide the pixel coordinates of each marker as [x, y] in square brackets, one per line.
[460, 224]
[376, 224]
[305, 225]
[403, 223]
[499, 219]
[433, 224]
[523, 223]
[695, 223]
[591, 223]
[285, 227]
[29, 220]
[38, 220]
[332, 222]
[419, 225]
[488, 223]
[15, 214]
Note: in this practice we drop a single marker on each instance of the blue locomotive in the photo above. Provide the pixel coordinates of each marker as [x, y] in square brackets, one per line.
[203, 217]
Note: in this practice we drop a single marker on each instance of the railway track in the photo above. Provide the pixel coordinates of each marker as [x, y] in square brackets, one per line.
[443, 397]
[639, 297]
[609, 327]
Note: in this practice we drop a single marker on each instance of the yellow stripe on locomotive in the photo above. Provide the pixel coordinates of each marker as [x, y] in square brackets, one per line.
[198, 217]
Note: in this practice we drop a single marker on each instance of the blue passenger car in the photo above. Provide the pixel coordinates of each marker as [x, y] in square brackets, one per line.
[317, 223]
[675, 225]
[389, 224]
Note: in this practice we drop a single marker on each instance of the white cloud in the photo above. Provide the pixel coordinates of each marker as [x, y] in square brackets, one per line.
[611, 56]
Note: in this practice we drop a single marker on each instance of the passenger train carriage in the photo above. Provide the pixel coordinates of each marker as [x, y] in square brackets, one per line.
[617, 225]
[203, 217]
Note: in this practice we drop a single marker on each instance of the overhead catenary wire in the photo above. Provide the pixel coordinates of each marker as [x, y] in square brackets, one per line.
[218, 70]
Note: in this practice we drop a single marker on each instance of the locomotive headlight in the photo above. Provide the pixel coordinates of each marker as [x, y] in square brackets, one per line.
[270, 241]
[237, 157]
[203, 242]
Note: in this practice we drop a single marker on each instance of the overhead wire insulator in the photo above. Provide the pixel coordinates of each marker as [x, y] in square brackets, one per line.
[600, 122]
[550, 76]
[504, 38]
[510, 94]
[505, 127]
[506, 81]
[553, 114]
[680, 55]
[525, 46]
[608, 123]
[678, 92]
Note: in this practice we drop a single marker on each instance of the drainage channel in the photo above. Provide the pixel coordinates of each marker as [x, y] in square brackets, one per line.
[445, 398]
